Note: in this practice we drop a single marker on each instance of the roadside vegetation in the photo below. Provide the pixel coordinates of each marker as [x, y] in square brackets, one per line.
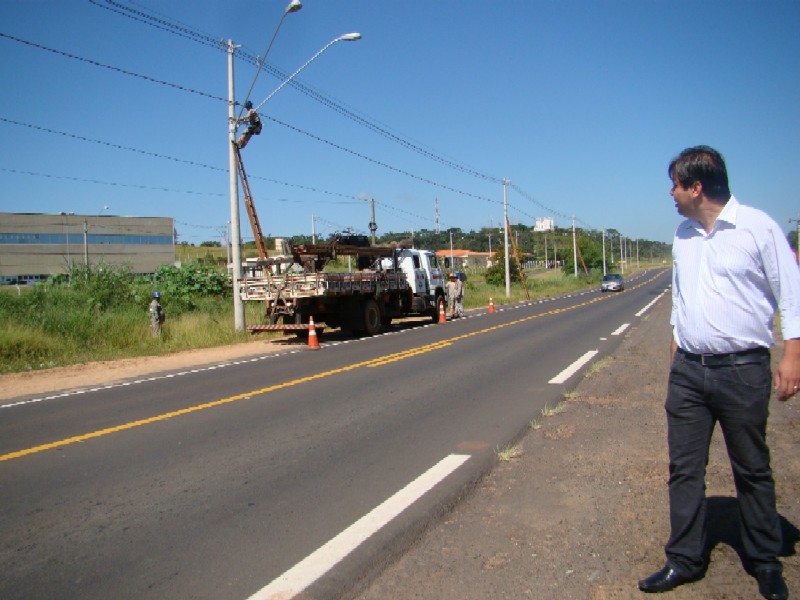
[100, 312]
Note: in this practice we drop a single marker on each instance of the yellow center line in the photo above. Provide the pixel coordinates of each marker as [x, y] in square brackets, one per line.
[375, 362]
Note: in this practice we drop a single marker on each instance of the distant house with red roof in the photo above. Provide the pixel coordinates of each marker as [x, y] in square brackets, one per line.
[463, 259]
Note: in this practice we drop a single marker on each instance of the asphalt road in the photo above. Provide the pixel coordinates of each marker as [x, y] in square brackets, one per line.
[297, 472]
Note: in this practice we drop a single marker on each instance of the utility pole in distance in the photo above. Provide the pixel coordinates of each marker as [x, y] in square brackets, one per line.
[797, 241]
[505, 238]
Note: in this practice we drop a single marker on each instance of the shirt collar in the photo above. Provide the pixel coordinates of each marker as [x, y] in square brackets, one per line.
[729, 212]
[726, 218]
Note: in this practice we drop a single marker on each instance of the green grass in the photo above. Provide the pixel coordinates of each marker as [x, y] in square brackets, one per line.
[42, 329]
[49, 325]
[508, 453]
[549, 411]
[598, 366]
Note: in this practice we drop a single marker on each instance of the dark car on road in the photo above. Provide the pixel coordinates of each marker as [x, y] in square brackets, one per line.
[612, 283]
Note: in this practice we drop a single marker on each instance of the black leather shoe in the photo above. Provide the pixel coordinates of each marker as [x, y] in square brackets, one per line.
[665, 580]
[771, 584]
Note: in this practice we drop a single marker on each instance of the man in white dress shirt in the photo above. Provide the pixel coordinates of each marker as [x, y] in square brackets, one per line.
[732, 268]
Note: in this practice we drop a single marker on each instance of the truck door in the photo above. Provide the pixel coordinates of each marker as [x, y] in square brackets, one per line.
[420, 277]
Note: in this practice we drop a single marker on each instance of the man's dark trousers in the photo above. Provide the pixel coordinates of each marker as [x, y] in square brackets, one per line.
[736, 396]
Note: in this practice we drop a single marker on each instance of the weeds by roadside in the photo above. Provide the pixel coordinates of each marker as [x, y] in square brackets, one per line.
[100, 313]
[507, 453]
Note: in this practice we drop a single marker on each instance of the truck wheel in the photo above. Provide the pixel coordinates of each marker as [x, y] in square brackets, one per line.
[372, 317]
[299, 319]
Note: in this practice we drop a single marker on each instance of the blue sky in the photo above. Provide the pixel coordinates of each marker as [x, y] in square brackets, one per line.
[580, 104]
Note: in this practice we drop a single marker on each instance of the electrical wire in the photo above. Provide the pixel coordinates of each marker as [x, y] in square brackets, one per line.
[249, 56]
[111, 183]
[202, 38]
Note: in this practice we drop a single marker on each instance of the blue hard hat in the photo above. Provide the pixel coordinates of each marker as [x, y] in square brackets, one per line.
[156, 295]
[248, 104]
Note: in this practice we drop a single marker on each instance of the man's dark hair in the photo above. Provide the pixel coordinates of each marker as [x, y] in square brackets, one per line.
[703, 164]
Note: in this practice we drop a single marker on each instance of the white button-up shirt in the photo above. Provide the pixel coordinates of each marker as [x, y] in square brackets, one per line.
[727, 284]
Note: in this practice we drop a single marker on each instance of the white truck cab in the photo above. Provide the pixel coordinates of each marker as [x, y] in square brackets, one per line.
[424, 276]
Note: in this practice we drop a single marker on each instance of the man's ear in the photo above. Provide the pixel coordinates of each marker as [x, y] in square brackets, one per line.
[697, 189]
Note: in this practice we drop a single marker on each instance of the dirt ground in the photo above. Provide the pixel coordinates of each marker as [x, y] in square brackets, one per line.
[107, 372]
[581, 512]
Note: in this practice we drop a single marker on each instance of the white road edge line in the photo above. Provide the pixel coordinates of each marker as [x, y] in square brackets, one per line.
[314, 566]
[620, 329]
[656, 299]
[574, 367]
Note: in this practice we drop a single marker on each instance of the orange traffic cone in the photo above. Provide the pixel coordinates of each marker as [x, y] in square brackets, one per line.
[313, 342]
[491, 305]
[442, 316]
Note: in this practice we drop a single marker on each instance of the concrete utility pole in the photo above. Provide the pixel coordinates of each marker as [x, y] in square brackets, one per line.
[505, 237]
[373, 226]
[574, 247]
[452, 264]
[236, 236]
[546, 264]
[604, 251]
[798, 238]
[86, 244]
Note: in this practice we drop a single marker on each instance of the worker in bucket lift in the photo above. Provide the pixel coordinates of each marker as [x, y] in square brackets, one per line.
[253, 125]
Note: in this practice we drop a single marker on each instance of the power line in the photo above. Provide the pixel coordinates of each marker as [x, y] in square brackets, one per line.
[249, 56]
[323, 99]
[111, 68]
[377, 162]
[312, 189]
[167, 157]
[111, 183]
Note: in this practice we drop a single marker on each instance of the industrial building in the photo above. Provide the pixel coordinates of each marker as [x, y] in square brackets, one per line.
[36, 246]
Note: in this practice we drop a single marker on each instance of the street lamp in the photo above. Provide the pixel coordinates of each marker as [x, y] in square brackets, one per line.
[292, 7]
[236, 251]
[347, 37]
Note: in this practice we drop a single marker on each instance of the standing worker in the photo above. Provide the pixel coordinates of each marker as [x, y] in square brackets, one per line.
[253, 125]
[732, 268]
[460, 278]
[451, 295]
[157, 315]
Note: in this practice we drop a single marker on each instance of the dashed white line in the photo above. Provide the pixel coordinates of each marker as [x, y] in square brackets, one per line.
[620, 329]
[656, 299]
[574, 367]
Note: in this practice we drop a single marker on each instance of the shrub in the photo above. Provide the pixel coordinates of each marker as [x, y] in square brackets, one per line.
[22, 348]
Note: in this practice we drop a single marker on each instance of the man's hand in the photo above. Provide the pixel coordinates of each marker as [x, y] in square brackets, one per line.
[787, 375]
